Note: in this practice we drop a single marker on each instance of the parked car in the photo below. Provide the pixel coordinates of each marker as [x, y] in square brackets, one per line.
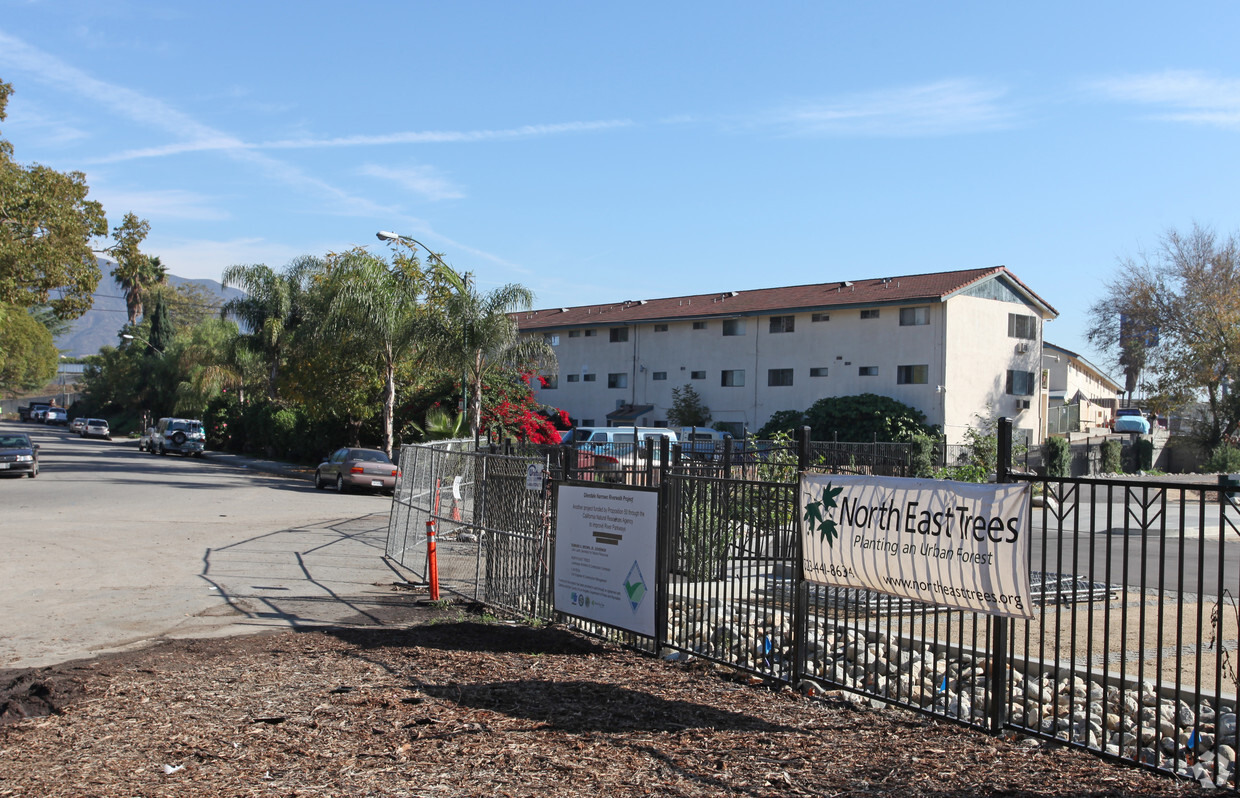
[76, 425]
[144, 440]
[369, 469]
[56, 415]
[96, 428]
[31, 411]
[1131, 419]
[178, 435]
[18, 456]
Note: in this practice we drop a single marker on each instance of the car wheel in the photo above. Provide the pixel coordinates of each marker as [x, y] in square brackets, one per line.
[34, 472]
[162, 450]
[318, 481]
[339, 483]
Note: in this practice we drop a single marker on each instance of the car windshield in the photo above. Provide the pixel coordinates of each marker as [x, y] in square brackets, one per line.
[368, 456]
[14, 442]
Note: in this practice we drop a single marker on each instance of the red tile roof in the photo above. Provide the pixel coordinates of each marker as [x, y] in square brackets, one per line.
[905, 289]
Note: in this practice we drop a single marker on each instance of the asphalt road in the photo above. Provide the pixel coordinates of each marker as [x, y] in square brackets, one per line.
[111, 548]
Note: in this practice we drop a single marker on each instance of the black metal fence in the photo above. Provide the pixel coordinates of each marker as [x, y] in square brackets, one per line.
[1131, 653]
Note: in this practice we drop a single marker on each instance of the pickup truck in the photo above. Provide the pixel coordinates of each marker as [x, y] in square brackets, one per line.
[33, 411]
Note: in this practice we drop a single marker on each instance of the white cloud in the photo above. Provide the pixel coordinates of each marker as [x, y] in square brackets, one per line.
[208, 259]
[418, 179]
[160, 204]
[933, 109]
[1186, 96]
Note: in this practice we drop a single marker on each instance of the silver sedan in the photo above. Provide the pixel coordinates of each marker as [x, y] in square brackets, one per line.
[362, 469]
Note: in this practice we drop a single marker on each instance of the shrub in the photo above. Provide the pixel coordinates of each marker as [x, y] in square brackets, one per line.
[1145, 454]
[1223, 459]
[864, 417]
[781, 421]
[922, 454]
[1057, 454]
[1111, 453]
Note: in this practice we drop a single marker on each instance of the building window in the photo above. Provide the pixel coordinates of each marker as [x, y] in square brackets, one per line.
[586, 422]
[589, 377]
[783, 324]
[574, 333]
[697, 375]
[733, 326]
[591, 333]
[658, 375]
[912, 375]
[872, 313]
[1022, 326]
[619, 335]
[660, 328]
[732, 379]
[914, 317]
[820, 317]
[867, 371]
[549, 382]
[573, 378]
[777, 377]
[699, 325]
[820, 371]
[1020, 383]
[620, 380]
[552, 339]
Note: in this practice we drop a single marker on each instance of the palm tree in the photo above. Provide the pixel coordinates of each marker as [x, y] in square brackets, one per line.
[384, 305]
[271, 307]
[136, 273]
[478, 332]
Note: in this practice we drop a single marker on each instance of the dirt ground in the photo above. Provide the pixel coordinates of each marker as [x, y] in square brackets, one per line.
[460, 704]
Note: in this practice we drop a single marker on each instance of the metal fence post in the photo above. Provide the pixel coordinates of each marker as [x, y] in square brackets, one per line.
[802, 448]
[999, 690]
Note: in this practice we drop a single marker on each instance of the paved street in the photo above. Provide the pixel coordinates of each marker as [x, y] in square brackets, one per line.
[111, 548]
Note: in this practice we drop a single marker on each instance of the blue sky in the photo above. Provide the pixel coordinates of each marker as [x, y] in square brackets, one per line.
[601, 152]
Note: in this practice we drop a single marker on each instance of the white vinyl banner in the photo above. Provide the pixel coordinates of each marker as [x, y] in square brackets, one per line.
[951, 543]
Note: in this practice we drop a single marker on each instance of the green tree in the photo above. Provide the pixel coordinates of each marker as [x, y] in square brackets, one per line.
[1176, 312]
[271, 307]
[688, 409]
[382, 307]
[46, 227]
[477, 332]
[190, 304]
[162, 332]
[864, 417]
[28, 358]
[137, 274]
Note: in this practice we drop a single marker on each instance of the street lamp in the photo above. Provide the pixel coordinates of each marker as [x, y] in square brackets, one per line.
[129, 337]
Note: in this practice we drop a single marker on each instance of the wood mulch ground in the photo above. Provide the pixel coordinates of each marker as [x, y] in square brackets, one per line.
[460, 705]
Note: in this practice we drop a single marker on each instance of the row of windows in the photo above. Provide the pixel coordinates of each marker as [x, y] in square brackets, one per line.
[1019, 383]
[735, 378]
[909, 317]
[1019, 325]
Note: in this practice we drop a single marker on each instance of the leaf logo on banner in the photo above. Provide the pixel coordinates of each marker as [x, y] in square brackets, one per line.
[814, 514]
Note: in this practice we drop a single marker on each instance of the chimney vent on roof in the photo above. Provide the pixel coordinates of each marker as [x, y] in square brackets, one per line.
[563, 310]
[642, 301]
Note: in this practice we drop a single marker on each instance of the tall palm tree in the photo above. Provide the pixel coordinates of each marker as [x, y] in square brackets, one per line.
[478, 331]
[386, 306]
[136, 273]
[271, 307]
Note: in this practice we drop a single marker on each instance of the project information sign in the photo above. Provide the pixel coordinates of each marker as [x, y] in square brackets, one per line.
[952, 543]
[605, 543]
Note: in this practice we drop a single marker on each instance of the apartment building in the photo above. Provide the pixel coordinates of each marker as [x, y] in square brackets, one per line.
[952, 344]
[1072, 382]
